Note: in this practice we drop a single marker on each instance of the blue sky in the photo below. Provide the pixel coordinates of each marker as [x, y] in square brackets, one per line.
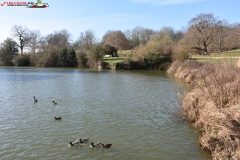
[103, 15]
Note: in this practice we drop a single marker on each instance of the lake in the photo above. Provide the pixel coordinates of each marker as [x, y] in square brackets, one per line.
[125, 108]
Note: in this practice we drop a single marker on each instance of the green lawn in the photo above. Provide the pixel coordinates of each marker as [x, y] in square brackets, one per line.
[124, 51]
[113, 60]
[230, 57]
[218, 60]
[233, 53]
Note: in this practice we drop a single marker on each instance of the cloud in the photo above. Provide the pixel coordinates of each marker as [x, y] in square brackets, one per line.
[167, 2]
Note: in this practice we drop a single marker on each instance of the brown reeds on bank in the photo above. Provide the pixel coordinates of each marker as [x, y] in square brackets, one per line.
[213, 105]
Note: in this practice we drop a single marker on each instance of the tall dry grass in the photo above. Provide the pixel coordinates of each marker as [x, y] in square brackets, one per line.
[213, 105]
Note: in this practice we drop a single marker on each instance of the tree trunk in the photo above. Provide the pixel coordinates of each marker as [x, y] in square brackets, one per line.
[21, 46]
[205, 48]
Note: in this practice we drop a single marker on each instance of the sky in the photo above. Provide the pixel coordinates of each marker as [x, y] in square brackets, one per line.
[100, 16]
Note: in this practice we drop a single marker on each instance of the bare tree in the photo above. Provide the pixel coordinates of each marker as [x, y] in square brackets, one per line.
[204, 27]
[128, 34]
[178, 35]
[34, 40]
[233, 37]
[175, 35]
[116, 39]
[22, 34]
[66, 37]
[238, 28]
[106, 35]
[167, 31]
[220, 39]
[57, 41]
[141, 35]
[85, 40]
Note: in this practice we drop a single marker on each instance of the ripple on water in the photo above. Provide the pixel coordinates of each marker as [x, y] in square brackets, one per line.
[124, 108]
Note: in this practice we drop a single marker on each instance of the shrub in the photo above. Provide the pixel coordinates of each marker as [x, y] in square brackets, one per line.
[130, 64]
[22, 60]
[67, 58]
[82, 59]
[7, 53]
[180, 53]
[48, 59]
[96, 52]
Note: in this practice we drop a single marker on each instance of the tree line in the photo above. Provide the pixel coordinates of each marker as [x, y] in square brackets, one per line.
[204, 34]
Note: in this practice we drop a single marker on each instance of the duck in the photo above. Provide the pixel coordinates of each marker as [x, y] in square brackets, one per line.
[73, 144]
[54, 103]
[106, 145]
[85, 140]
[92, 145]
[58, 118]
[34, 99]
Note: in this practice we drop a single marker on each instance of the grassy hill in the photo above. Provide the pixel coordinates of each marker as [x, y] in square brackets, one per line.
[113, 59]
[228, 56]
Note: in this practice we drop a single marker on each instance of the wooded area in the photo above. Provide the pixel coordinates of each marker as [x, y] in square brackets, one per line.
[204, 33]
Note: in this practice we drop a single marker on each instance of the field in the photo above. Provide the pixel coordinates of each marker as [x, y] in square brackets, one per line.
[230, 57]
[113, 59]
[233, 53]
[123, 54]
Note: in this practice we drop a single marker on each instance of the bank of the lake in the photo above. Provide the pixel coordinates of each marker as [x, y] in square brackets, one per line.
[126, 108]
[124, 63]
[213, 105]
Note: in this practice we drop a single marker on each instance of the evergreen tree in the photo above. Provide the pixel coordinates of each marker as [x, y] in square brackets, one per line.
[7, 52]
[71, 58]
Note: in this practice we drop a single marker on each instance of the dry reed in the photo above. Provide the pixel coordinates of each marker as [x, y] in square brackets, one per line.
[213, 105]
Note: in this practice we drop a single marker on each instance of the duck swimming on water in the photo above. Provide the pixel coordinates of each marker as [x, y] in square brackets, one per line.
[58, 118]
[73, 144]
[34, 99]
[92, 145]
[85, 140]
[106, 145]
[54, 103]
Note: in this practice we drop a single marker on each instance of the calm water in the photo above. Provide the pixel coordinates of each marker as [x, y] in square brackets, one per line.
[126, 108]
